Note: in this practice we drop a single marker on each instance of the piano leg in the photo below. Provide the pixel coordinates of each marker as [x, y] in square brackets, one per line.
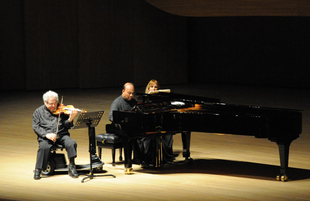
[186, 140]
[284, 156]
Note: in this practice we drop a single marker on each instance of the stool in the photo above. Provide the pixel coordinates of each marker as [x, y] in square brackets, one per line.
[56, 146]
[110, 141]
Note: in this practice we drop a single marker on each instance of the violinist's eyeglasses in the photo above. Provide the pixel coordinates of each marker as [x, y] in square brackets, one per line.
[50, 104]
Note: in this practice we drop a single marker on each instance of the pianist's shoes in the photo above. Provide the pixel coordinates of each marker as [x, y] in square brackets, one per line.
[72, 171]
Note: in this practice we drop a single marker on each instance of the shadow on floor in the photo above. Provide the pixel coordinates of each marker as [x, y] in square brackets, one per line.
[227, 167]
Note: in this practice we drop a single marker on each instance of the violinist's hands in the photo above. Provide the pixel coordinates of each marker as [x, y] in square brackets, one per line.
[51, 136]
[72, 115]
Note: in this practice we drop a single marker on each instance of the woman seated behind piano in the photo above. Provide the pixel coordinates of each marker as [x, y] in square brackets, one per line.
[147, 145]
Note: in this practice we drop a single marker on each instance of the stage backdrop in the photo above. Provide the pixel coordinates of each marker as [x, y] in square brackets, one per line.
[89, 44]
[103, 43]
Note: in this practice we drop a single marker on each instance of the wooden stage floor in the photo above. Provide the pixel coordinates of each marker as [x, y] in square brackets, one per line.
[225, 167]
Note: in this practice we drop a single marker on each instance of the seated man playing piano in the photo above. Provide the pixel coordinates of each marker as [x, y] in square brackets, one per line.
[123, 103]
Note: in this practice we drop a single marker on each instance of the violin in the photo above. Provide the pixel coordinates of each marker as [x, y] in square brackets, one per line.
[66, 109]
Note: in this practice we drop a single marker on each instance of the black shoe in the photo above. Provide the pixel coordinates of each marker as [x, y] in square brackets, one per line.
[37, 174]
[96, 160]
[145, 165]
[72, 171]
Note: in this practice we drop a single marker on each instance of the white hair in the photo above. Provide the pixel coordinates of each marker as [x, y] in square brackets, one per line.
[50, 94]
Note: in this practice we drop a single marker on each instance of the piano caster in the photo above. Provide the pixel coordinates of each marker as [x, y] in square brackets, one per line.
[282, 178]
[128, 171]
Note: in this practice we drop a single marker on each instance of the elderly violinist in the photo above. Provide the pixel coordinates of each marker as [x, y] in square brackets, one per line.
[50, 130]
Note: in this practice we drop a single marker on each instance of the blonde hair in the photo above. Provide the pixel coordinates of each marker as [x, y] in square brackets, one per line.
[151, 82]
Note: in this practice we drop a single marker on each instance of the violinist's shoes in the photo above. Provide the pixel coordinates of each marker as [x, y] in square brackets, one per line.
[37, 174]
[72, 171]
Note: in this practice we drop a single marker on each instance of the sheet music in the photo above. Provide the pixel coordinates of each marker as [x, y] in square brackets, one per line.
[160, 90]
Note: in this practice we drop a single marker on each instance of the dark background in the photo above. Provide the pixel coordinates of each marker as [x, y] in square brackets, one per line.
[81, 44]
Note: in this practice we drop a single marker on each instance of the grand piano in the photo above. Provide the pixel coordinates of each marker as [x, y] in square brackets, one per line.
[169, 112]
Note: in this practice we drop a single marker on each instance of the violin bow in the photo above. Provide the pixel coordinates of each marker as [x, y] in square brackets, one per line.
[59, 115]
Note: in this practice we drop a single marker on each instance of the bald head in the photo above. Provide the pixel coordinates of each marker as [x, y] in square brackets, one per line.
[128, 91]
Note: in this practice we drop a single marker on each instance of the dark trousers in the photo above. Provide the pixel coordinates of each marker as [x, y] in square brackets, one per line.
[167, 147]
[147, 148]
[45, 146]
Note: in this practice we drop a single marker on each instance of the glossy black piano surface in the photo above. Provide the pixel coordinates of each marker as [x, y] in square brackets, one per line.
[178, 113]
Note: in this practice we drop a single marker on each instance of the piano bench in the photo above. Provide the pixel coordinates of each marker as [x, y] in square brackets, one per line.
[110, 141]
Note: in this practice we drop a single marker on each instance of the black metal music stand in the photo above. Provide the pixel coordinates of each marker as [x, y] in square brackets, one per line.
[90, 120]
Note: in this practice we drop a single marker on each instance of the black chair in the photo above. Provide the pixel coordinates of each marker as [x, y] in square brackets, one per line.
[109, 141]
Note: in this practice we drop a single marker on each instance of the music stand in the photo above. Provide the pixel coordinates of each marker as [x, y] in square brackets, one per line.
[90, 120]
